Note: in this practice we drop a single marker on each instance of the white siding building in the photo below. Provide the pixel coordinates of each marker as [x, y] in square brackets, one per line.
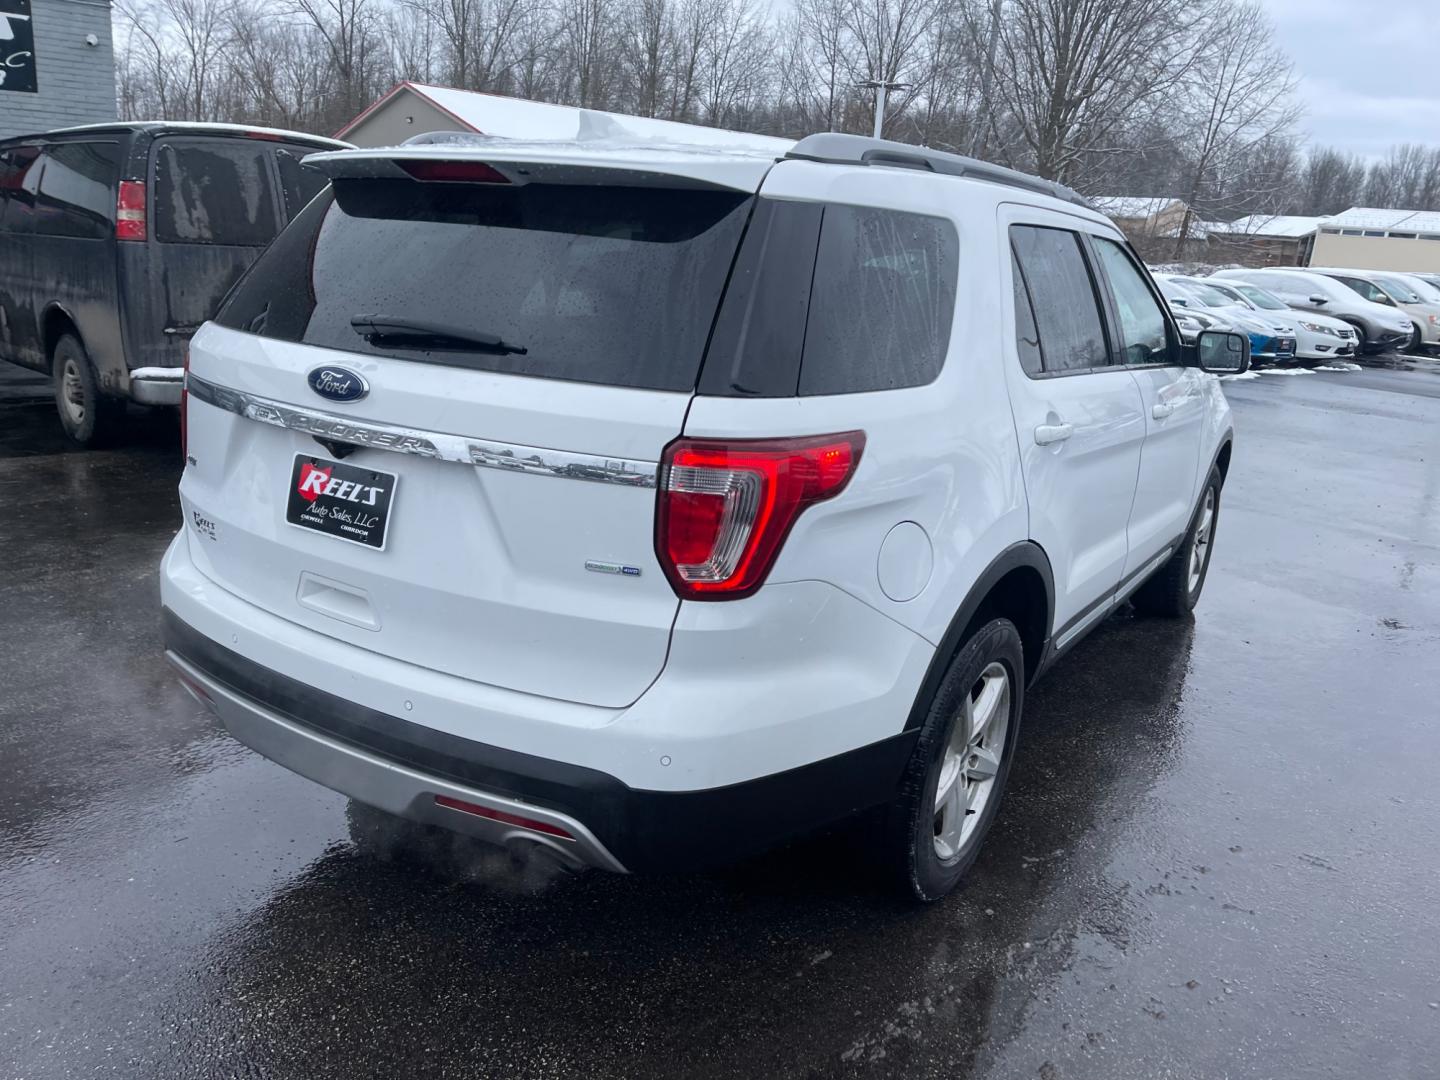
[57, 65]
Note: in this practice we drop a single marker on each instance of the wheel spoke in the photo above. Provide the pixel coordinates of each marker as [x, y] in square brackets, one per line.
[985, 707]
[982, 764]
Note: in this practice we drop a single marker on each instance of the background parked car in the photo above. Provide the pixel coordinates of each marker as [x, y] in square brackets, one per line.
[1317, 337]
[1379, 326]
[1391, 290]
[117, 241]
[1271, 340]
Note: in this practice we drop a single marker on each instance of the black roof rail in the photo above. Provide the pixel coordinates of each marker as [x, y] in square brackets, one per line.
[833, 148]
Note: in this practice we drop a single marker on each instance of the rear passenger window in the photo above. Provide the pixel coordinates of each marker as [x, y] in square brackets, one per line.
[881, 302]
[213, 192]
[1027, 338]
[77, 190]
[19, 178]
[1067, 312]
[1147, 337]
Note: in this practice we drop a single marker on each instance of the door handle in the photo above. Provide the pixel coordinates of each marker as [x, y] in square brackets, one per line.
[1046, 434]
[1160, 412]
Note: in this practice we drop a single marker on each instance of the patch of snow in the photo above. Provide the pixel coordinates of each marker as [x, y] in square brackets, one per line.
[1339, 367]
[1243, 375]
[1287, 371]
[167, 374]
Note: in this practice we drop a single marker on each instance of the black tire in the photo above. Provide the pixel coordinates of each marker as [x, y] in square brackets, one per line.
[1173, 590]
[910, 828]
[1417, 341]
[1360, 344]
[89, 417]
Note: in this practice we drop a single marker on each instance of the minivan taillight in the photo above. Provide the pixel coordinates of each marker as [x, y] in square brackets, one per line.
[130, 211]
[726, 505]
[185, 411]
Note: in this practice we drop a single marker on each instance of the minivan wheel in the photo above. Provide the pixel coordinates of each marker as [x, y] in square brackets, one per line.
[88, 417]
[951, 788]
[1175, 588]
[1417, 341]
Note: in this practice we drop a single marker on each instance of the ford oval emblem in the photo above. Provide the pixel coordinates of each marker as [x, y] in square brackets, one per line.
[338, 384]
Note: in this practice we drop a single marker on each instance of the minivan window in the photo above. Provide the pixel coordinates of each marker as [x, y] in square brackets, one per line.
[77, 190]
[19, 178]
[213, 191]
[1142, 323]
[612, 285]
[1367, 289]
[298, 183]
[1067, 311]
[881, 302]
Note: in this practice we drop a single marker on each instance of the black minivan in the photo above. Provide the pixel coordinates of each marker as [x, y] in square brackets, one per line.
[118, 241]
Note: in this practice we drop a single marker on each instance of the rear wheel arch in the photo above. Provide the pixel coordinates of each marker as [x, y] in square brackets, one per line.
[1017, 585]
[55, 324]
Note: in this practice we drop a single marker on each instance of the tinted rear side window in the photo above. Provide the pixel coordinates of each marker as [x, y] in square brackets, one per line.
[213, 191]
[1067, 311]
[77, 190]
[612, 285]
[881, 303]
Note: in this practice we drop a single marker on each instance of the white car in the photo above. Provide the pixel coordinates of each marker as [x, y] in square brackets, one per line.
[509, 507]
[1377, 326]
[1317, 337]
[1272, 340]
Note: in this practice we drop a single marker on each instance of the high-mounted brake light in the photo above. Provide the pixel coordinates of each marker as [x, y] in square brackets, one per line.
[130, 211]
[726, 506]
[454, 172]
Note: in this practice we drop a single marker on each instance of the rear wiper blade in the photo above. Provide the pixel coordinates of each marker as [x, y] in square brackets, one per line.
[417, 334]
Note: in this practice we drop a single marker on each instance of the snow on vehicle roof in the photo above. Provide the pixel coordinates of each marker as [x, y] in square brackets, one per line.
[195, 126]
[519, 118]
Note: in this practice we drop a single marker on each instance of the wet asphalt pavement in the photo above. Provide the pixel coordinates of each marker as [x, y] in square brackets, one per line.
[1217, 857]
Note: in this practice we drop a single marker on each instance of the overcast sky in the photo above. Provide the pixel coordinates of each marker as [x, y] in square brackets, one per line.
[1369, 72]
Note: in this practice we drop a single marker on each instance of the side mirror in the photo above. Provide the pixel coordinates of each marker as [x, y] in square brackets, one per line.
[1223, 353]
[1318, 300]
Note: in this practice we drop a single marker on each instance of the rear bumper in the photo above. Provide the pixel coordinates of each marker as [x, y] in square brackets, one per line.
[583, 816]
[156, 385]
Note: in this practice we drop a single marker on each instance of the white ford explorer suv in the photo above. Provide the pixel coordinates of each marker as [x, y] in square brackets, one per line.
[656, 505]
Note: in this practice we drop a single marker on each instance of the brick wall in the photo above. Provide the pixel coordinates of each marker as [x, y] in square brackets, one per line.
[76, 80]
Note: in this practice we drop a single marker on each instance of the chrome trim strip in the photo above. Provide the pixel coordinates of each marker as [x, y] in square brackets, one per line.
[482, 453]
[1084, 624]
[1142, 575]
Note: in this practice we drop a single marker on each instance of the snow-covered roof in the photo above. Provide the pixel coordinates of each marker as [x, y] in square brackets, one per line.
[534, 121]
[1370, 217]
[1132, 206]
[1290, 226]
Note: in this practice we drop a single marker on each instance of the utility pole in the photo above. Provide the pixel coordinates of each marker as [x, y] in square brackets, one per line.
[881, 86]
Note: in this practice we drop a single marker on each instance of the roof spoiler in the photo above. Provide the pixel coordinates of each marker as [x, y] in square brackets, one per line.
[833, 148]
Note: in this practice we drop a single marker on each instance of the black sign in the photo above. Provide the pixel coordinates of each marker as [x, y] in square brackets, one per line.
[17, 48]
[340, 500]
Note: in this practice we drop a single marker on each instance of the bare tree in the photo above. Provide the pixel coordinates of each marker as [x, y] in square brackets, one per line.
[1238, 94]
[1077, 71]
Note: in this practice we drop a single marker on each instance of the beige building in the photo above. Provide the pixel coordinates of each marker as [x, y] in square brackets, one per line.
[412, 109]
[1372, 239]
[1264, 240]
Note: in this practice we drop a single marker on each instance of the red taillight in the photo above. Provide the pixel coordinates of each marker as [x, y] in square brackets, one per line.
[500, 815]
[130, 211]
[184, 411]
[726, 506]
[455, 172]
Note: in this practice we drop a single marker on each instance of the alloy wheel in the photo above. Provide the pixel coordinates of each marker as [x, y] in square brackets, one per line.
[972, 761]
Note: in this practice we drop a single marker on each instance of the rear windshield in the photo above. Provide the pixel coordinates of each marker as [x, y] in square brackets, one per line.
[613, 285]
[213, 191]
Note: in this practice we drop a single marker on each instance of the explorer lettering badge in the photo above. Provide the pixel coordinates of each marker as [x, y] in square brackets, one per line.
[339, 500]
[338, 383]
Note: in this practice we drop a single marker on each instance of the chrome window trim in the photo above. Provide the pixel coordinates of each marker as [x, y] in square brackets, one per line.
[482, 453]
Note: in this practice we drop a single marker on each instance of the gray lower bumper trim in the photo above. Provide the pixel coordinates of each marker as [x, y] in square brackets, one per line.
[156, 386]
[387, 785]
